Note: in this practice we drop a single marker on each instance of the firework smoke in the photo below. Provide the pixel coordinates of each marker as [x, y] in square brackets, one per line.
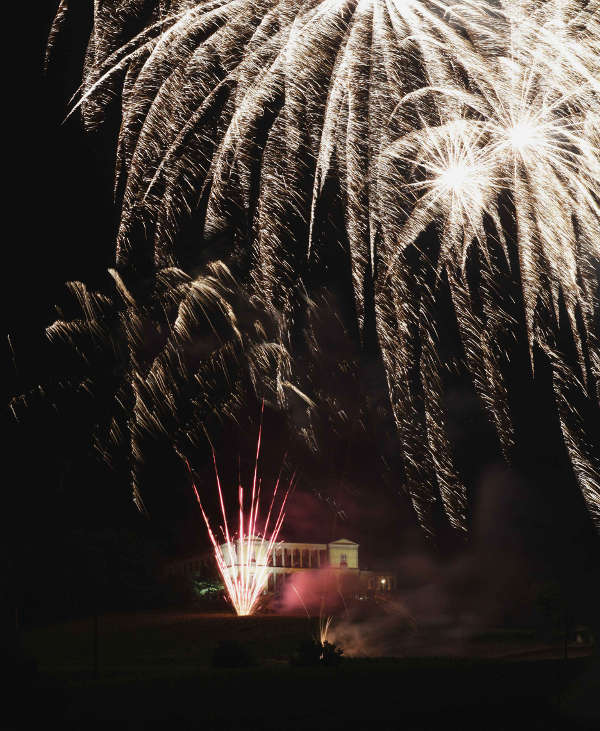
[448, 135]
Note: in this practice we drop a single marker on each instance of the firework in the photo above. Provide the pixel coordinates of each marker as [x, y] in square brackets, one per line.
[515, 138]
[325, 621]
[445, 134]
[324, 625]
[244, 560]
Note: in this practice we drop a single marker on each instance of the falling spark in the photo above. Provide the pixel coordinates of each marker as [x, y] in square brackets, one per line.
[324, 621]
[324, 625]
[243, 560]
[471, 124]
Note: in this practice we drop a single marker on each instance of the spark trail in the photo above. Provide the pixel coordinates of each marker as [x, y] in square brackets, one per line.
[446, 135]
[243, 560]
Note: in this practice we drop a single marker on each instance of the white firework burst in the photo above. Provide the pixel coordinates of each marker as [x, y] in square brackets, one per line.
[471, 124]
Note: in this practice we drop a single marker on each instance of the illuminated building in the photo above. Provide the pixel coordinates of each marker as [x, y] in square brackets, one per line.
[340, 558]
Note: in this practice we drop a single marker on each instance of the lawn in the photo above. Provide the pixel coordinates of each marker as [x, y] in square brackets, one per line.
[160, 643]
[155, 672]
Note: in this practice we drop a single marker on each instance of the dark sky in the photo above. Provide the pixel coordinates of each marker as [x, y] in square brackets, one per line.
[66, 220]
[67, 233]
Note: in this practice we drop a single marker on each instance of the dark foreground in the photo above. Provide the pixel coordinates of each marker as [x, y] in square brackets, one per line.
[153, 671]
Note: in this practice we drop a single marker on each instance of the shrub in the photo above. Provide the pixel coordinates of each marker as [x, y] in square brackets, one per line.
[331, 654]
[312, 653]
[307, 653]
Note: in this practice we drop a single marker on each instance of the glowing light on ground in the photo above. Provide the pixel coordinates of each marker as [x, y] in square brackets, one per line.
[324, 625]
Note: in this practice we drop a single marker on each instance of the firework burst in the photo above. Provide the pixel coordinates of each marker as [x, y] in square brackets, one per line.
[445, 134]
[514, 138]
[244, 560]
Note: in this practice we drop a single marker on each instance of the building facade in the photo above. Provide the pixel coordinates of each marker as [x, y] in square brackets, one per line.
[339, 558]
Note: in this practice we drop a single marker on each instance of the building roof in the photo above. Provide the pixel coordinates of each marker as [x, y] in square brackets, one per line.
[345, 541]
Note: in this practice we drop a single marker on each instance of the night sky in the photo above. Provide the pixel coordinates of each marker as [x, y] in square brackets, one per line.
[528, 518]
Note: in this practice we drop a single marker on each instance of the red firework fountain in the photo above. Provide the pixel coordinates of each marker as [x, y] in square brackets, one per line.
[243, 560]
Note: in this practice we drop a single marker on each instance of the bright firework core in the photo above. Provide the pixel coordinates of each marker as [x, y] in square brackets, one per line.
[243, 560]
[457, 179]
[522, 135]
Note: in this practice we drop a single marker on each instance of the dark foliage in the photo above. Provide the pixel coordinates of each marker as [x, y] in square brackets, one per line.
[312, 653]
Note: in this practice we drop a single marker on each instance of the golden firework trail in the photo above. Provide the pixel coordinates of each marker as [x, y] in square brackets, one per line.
[325, 621]
[324, 626]
[450, 135]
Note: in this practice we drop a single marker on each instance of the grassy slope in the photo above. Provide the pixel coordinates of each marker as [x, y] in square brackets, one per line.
[155, 672]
